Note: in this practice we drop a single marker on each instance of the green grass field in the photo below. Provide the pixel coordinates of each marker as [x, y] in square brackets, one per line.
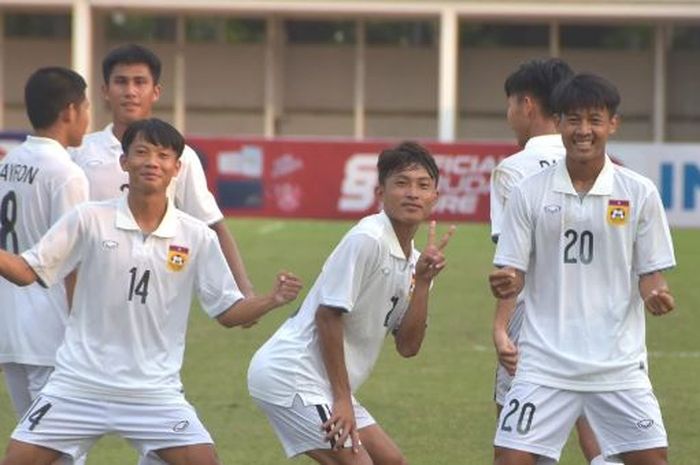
[437, 406]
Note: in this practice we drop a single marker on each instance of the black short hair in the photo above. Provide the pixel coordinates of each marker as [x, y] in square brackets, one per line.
[585, 91]
[405, 155]
[131, 54]
[49, 91]
[538, 78]
[155, 131]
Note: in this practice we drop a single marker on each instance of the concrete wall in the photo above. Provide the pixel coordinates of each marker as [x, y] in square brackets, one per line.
[225, 88]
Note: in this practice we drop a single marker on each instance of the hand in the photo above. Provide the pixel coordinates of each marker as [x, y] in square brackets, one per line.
[287, 287]
[341, 425]
[506, 283]
[507, 351]
[659, 302]
[432, 259]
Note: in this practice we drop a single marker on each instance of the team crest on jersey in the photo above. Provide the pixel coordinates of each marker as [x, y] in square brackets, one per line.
[177, 257]
[618, 212]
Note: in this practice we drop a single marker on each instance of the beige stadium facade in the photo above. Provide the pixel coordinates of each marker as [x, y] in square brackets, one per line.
[444, 87]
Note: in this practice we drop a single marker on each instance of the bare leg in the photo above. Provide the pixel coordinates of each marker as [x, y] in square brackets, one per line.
[381, 448]
[514, 457]
[587, 440]
[200, 454]
[657, 456]
[23, 453]
[340, 457]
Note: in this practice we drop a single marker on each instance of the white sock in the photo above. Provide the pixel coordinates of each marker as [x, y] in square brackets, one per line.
[599, 460]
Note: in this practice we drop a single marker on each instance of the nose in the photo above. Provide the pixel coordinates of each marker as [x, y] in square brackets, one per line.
[584, 127]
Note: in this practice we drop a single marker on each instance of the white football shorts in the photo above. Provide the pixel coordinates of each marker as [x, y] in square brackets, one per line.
[73, 425]
[538, 419]
[299, 427]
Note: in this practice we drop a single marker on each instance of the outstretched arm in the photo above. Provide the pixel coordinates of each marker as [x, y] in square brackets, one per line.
[233, 257]
[248, 309]
[411, 332]
[15, 269]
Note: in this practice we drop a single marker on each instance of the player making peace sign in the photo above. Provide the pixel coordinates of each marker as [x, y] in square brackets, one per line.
[374, 283]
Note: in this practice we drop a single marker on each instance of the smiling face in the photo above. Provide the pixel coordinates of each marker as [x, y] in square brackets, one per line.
[408, 195]
[131, 92]
[585, 133]
[151, 167]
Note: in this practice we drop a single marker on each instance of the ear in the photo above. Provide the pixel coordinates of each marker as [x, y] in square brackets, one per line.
[379, 191]
[557, 121]
[123, 162]
[105, 92]
[178, 164]
[156, 92]
[614, 123]
[68, 114]
[528, 103]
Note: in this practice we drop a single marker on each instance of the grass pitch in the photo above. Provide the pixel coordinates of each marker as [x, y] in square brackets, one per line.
[437, 406]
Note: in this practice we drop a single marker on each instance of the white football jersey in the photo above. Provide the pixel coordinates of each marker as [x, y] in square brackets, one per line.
[539, 152]
[125, 336]
[99, 158]
[369, 277]
[584, 326]
[38, 184]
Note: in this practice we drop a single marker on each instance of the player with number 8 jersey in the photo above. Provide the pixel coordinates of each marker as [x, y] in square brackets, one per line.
[38, 184]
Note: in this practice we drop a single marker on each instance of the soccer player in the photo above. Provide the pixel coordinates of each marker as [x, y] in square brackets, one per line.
[588, 240]
[374, 283]
[38, 184]
[532, 119]
[131, 87]
[139, 260]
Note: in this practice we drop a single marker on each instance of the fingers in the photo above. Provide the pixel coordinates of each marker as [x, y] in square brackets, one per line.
[505, 283]
[446, 237]
[509, 363]
[431, 233]
[287, 286]
[659, 302]
[338, 431]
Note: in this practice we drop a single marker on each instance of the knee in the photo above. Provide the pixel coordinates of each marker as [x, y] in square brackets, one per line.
[395, 458]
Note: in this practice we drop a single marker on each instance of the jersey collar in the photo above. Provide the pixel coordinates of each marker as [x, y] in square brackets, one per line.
[547, 140]
[114, 144]
[125, 219]
[391, 239]
[47, 142]
[603, 184]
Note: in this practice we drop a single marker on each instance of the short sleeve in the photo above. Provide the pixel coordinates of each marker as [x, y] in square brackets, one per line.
[515, 242]
[347, 270]
[70, 193]
[191, 191]
[59, 250]
[502, 183]
[215, 286]
[653, 248]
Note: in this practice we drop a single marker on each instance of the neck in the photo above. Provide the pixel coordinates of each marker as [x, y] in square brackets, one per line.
[405, 234]
[53, 133]
[584, 173]
[543, 127]
[148, 210]
[118, 129]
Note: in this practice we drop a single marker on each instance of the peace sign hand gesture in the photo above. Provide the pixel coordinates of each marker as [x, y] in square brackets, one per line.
[432, 259]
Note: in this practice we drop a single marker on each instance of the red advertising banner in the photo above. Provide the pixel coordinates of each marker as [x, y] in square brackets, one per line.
[336, 179]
